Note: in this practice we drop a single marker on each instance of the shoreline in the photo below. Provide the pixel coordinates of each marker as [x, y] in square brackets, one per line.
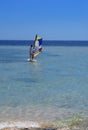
[73, 124]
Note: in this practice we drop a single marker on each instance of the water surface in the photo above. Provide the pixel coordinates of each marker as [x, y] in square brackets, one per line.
[53, 88]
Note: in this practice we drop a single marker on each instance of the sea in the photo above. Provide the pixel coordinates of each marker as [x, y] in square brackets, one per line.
[55, 88]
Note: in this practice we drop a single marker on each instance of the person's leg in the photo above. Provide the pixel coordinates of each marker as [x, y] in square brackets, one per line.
[30, 57]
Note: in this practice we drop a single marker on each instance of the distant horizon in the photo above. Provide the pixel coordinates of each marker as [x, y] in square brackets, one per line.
[45, 43]
[43, 40]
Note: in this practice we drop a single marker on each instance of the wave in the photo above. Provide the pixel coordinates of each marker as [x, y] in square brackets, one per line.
[19, 124]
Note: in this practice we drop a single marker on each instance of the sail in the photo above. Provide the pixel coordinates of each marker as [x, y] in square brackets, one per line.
[37, 46]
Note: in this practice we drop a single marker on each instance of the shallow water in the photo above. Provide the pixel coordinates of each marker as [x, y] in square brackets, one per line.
[53, 88]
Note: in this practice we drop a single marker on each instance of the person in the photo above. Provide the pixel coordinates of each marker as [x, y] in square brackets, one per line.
[31, 53]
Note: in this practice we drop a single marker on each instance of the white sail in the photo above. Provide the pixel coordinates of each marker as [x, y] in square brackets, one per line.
[37, 46]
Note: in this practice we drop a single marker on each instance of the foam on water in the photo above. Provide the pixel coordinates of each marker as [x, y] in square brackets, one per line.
[19, 124]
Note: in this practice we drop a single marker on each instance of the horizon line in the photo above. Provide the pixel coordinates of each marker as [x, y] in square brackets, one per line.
[43, 40]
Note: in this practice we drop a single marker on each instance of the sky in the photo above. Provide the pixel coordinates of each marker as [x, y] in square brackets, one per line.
[51, 19]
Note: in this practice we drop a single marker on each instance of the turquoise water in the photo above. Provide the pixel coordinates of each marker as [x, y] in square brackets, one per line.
[53, 88]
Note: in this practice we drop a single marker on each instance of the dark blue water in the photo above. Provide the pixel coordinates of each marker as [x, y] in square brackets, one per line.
[45, 43]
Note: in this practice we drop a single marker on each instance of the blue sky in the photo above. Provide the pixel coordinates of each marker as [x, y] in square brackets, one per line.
[51, 19]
